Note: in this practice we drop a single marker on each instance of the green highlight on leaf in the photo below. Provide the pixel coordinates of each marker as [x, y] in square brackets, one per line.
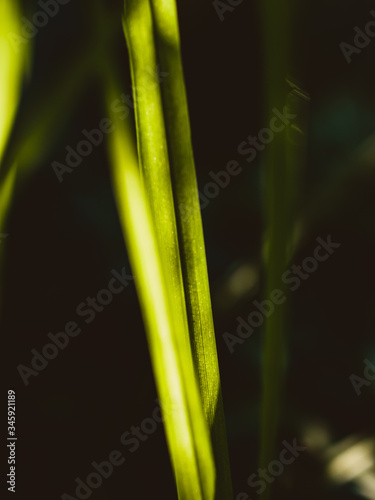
[186, 429]
[13, 63]
[190, 229]
[163, 132]
[12, 67]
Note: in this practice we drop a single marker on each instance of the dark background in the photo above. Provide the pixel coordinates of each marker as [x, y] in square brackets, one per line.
[64, 240]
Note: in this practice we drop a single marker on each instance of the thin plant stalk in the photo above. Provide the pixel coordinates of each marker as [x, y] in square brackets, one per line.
[154, 161]
[152, 144]
[193, 257]
[278, 180]
[186, 429]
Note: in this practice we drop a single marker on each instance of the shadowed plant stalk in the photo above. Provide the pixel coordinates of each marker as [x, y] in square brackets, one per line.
[279, 195]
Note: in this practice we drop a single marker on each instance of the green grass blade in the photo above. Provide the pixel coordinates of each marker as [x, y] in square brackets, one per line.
[154, 163]
[190, 228]
[12, 68]
[186, 429]
[152, 145]
[279, 208]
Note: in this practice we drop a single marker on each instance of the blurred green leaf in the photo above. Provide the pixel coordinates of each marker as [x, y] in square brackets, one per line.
[13, 63]
[279, 204]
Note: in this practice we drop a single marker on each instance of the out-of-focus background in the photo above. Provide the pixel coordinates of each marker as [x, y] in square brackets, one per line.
[64, 243]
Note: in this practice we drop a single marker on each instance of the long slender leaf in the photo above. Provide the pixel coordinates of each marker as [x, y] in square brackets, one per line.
[154, 164]
[152, 144]
[13, 63]
[190, 228]
[279, 177]
[186, 429]
[12, 67]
